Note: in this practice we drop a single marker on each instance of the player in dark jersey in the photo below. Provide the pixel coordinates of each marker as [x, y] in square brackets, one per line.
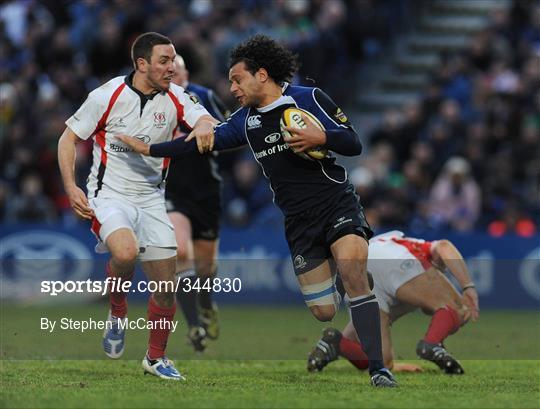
[193, 200]
[324, 221]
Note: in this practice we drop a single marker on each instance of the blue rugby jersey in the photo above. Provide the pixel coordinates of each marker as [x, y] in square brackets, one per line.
[298, 183]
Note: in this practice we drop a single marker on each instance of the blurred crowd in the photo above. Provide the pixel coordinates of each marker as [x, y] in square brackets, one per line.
[464, 156]
[53, 52]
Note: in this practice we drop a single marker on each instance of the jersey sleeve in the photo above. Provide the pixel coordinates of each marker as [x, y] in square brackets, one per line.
[335, 117]
[174, 148]
[84, 122]
[340, 135]
[193, 110]
[231, 133]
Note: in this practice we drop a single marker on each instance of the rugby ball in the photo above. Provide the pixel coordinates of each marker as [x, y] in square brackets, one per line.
[292, 117]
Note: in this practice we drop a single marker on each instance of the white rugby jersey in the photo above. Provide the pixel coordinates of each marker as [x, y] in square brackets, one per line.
[393, 260]
[393, 245]
[117, 108]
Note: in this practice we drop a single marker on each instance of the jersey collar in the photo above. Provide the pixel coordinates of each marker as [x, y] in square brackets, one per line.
[282, 100]
[129, 82]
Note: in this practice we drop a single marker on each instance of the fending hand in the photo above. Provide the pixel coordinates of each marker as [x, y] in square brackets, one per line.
[203, 132]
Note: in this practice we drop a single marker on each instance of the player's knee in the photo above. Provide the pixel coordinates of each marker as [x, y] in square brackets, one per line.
[323, 312]
[181, 253]
[164, 299]
[126, 256]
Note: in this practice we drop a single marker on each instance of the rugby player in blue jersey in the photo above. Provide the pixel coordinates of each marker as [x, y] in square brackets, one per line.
[324, 221]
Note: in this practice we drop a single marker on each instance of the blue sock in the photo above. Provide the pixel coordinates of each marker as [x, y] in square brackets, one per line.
[367, 323]
[187, 300]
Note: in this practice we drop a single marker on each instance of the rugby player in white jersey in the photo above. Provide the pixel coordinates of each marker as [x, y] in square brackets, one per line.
[407, 275]
[125, 200]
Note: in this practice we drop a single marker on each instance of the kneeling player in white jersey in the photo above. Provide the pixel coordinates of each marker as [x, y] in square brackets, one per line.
[407, 274]
[125, 200]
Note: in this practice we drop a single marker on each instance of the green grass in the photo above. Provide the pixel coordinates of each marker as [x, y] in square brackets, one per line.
[259, 361]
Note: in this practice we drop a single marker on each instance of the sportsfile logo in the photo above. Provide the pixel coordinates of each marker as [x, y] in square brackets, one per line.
[117, 284]
[254, 122]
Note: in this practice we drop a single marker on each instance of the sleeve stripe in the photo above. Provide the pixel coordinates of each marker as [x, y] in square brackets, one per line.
[329, 117]
[100, 137]
[179, 111]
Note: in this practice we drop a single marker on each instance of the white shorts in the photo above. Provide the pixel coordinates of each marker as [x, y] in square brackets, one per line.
[150, 224]
[391, 265]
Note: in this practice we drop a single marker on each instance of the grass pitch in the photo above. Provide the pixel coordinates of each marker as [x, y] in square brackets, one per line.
[259, 361]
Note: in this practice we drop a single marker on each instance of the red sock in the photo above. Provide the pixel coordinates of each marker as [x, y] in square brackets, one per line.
[118, 299]
[352, 350]
[445, 322]
[159, 335]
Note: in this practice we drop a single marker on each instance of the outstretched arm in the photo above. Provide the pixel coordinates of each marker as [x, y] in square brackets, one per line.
[204, 137]
[201, 138]
[444, 253]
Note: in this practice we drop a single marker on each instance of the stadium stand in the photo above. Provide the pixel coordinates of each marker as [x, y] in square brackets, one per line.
[457, 146]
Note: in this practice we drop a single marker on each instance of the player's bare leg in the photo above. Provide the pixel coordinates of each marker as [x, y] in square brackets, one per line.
[186, 273]
[205, 252]
[161, 310]
[434, 294]
[350, 254]
[182, 230]
[124, 250]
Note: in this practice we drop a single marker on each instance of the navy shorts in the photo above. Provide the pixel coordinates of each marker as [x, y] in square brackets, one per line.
[204, 216]
[311, 233]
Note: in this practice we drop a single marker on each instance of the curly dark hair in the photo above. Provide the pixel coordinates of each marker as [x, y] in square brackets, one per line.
[261, 51]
